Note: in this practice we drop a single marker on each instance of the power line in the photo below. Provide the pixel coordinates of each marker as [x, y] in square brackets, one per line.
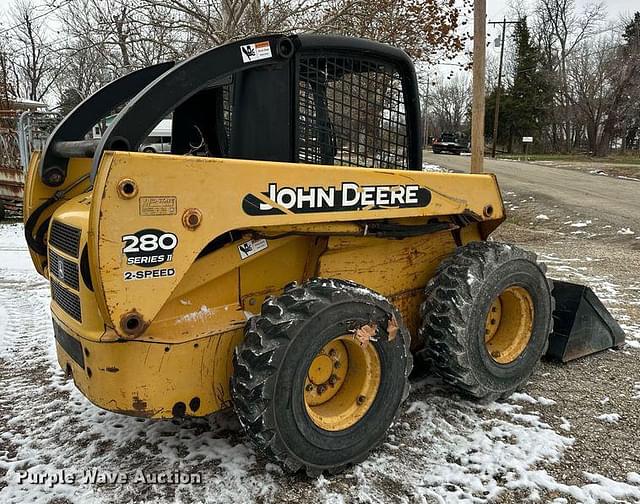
[496, 112]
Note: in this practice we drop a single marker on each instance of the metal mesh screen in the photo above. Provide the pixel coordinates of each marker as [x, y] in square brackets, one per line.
[350, 112]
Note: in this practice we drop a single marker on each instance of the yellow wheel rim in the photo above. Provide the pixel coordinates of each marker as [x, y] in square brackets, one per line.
[341, 383]
[508, 325]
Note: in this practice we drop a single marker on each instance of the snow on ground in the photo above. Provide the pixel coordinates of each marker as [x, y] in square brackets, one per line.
[428, 167]
[614, 296]
[605, 174]
[442, 449]
[581, 224]
[609, 417]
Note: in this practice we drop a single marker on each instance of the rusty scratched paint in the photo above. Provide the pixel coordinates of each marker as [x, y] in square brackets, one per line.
[363, 334]
[392, 328]
[11, 183]
[138, 404]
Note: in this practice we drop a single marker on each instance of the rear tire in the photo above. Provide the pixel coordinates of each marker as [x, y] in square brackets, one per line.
[487, 317]
[272, 371]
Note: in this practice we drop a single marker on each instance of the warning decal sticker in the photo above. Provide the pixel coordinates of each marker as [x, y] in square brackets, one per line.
[247, 249]
[255, 52]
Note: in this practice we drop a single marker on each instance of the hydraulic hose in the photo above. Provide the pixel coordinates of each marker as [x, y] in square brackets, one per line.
[36, 242]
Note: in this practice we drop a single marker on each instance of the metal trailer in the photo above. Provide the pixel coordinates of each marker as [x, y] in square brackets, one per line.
[20, 136]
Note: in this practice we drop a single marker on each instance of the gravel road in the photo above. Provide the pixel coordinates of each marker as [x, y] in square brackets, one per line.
[612, 199]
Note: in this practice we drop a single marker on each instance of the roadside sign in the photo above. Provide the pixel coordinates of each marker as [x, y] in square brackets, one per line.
[527, 139]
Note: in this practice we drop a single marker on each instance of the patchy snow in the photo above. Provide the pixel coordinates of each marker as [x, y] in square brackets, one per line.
[609, 417]
[13, 248]
[470, 278]
[581, 224]
[610, 293]
[197, 316]
[442, 449]
[543, 401]
[542, 217]
[625, 231]
[428, 167]
[565, 425]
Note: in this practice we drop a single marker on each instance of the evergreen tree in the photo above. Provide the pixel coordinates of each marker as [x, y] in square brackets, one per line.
[530, 94]
[524, 103]
[632, 31]
[631, 49]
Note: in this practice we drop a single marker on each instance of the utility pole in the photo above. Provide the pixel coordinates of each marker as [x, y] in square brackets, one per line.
[477, 108]
[496, 113]
[425, 128]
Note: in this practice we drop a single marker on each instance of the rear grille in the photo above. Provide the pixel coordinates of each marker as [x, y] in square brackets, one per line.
[63, 269]
[66, 300]
[65, 238]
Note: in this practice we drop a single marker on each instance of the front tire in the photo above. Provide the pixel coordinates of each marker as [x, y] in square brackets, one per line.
[487, 317]
[306, 391]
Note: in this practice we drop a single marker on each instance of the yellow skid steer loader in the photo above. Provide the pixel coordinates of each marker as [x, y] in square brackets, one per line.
[289, 257]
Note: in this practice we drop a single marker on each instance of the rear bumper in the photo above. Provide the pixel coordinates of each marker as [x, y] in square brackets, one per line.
[182, 374]
[151, 380]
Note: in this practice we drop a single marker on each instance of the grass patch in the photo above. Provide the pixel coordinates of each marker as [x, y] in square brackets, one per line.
[582, 158]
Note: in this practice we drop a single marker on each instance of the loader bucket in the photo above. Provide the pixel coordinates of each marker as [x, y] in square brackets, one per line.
[582, 324]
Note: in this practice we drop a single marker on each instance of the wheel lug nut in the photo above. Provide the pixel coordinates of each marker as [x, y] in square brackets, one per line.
[337, 364]
[309, 387]
[332, 379]
[321, 389]
[332, 352]
[361, 399]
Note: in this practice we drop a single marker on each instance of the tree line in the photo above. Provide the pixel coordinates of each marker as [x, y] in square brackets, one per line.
[63, 50]
[571, 80]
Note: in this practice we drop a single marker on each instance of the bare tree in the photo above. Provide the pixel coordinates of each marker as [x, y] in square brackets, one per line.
[561, 29]
[449, 104]
[36, 64]
[604, 86]
[6, 86]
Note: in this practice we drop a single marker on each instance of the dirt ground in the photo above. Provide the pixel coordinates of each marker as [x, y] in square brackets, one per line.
[595, 385]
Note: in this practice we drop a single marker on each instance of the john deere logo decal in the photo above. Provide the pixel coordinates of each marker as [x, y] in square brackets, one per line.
[348, 197]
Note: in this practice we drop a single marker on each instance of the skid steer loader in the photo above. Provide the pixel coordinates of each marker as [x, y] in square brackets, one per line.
[288, 258]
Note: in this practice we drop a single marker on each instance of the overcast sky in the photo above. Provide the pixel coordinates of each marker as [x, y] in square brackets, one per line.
[496, 9]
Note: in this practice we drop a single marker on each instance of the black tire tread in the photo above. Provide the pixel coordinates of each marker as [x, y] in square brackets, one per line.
[255, 363]
[447, 307]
